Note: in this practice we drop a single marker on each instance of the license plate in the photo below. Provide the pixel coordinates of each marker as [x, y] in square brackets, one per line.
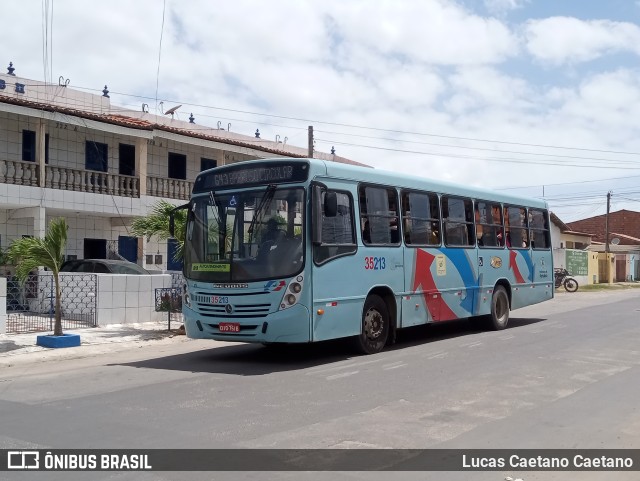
[219, 300]
[229, 327]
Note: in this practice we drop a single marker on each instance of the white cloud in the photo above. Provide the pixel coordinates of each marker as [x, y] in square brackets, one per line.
[560, 40]
[499, 7]
[435, 32]
[406, 66]
[488, 87]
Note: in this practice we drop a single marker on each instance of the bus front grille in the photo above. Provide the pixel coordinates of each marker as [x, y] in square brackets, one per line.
[245, 311]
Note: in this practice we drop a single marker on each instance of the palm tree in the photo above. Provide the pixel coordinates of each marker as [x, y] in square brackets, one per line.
[156, 223]
[29, 253]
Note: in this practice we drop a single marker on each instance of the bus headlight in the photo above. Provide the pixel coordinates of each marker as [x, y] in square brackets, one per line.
[185, 295]
[292, 293]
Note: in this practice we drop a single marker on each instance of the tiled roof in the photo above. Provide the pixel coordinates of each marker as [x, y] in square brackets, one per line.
[626, 222]
[628, 237]
[225, 140]
[108, 118]
[137, 123]
[128, 121]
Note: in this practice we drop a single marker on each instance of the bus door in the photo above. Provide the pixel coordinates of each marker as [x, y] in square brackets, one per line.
[336, 282]
[424, 261]
[493, 256]
[381, 257]
[541, 255]
[457, 273]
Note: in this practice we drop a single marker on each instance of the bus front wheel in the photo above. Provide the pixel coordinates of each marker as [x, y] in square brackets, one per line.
[375, 326]
[499, 317]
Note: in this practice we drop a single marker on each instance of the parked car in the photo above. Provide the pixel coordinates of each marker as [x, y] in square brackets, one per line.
[102, 266]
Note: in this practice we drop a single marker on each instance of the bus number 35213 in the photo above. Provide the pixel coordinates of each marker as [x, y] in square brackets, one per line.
[375, 263]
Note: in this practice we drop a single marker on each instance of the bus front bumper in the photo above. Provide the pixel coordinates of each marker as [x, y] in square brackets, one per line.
[289, 325]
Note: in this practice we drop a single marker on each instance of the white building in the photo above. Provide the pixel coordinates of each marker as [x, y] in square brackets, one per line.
[68, 153]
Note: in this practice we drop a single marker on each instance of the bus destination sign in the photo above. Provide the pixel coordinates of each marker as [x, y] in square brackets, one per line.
[249, 176]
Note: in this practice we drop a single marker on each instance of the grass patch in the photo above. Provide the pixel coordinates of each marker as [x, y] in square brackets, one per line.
[616, 286]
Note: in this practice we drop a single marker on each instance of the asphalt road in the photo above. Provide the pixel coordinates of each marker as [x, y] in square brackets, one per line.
[563, 375]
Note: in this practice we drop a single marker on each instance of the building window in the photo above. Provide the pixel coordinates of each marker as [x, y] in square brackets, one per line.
[29, 145]
[177, 166]
[127, 161]
[206, 164]
[96, 156]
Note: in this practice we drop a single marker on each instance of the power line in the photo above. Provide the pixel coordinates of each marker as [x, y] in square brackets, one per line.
[505, 160]
[473, 148]
[566, 183]
[376, 129]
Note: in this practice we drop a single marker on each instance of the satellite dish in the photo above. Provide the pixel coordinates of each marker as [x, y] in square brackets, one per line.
[172, 110]
[615, 241]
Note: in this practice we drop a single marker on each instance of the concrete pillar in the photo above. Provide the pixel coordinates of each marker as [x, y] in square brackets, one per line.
[141, 164]
[38, 214]
[3, 305]
[41, 151]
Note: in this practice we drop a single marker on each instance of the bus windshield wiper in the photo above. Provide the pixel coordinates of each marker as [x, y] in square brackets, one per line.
[266, 200]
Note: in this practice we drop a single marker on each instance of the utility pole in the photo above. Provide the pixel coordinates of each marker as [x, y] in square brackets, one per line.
[310, 150]
[606, 223]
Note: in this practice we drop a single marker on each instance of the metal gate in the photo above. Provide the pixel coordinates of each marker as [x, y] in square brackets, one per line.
[31, 305]
[621, 268]
[603, 271]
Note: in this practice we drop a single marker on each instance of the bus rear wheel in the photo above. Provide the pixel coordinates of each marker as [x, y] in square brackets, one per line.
[375, 326]
[499, 317]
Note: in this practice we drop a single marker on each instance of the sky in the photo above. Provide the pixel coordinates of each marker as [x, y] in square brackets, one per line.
[533, 97]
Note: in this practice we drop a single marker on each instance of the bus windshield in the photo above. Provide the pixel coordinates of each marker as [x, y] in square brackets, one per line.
[245, 236]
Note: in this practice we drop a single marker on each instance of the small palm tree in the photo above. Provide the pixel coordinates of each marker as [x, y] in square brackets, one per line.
[156, 223]
[29, 253]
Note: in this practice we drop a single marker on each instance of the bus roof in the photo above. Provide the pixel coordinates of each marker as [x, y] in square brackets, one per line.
[324, 168]
[385, 177]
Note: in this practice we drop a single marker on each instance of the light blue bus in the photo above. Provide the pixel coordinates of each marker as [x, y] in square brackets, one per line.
[303, 250]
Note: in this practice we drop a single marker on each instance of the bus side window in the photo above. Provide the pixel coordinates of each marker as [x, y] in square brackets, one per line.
[489, 229]
[517, 231]
[379, 215]
[539, 229]
[338, 234]
[421, 218]
[458, 222]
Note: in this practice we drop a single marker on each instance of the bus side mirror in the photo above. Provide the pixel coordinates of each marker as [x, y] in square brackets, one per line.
[172, 220]
[330, 204]
[316, 226]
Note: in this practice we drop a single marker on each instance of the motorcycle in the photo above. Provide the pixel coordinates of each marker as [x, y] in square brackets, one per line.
[562, 278]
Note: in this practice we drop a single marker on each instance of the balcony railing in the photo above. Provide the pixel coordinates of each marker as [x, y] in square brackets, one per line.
[91, 181]
[171, 188]
[18, 172]
[63, 178]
